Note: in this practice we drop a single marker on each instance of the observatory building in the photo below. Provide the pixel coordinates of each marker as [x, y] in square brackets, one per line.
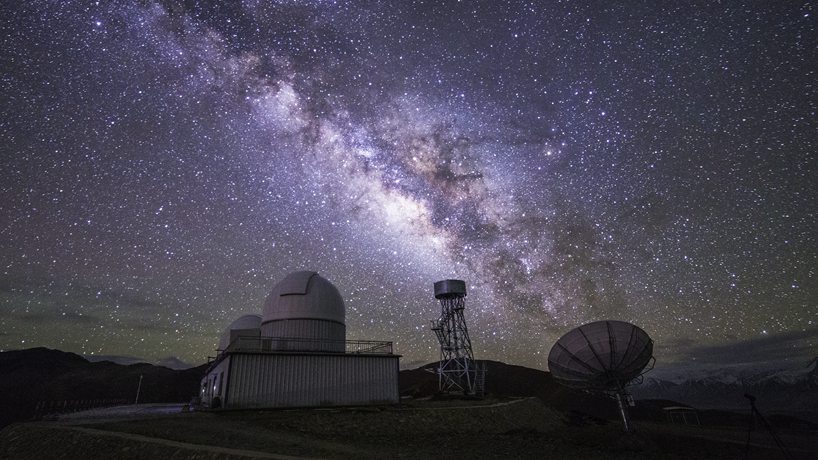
[297, 355]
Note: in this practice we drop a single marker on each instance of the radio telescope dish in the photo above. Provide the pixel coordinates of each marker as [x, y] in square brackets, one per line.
[604, 356]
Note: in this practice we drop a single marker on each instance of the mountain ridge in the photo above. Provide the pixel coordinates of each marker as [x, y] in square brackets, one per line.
[791, 390]
[40, 374]
[171, 362]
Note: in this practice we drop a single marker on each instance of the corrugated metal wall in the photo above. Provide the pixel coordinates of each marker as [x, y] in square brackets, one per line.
[211, 382]
[291, 380]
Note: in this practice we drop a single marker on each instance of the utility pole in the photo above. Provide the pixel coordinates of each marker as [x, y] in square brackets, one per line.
[139, 387]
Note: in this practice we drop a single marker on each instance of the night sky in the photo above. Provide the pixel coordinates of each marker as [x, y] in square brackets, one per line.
[164, 164]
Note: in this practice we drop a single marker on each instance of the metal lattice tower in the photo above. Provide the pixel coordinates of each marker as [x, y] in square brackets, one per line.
[457, 370]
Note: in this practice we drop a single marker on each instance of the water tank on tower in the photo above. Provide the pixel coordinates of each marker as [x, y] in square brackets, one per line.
[305, 312]
[457, 370]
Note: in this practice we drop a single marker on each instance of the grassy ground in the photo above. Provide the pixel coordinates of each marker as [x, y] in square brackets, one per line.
[489, 429]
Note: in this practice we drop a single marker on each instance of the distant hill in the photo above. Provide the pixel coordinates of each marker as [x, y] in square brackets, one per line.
[40, 374]
[504, 380]
[124, 360]
[171, 362]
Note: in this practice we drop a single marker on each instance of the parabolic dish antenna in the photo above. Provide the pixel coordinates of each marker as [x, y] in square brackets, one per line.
[604, 356]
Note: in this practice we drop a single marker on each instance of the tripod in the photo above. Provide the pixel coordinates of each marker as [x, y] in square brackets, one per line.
[755, 414]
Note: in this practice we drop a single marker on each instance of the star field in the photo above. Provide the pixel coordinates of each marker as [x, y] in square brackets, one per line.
[164, 164]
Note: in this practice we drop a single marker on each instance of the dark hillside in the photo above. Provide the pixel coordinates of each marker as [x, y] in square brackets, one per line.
[40, 374]
[504, 380]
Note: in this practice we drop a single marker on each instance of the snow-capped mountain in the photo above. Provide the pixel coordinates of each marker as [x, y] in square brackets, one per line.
[172, 362]
[776, 389]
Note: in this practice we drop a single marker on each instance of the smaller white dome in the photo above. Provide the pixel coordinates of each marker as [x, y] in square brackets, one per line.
[245, 326]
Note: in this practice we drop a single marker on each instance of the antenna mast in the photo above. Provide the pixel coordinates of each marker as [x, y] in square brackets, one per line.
[457, 370]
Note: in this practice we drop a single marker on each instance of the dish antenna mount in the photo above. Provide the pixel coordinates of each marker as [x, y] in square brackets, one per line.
[457, 370]
[604, 357]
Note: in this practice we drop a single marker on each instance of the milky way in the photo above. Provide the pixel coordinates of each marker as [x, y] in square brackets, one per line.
[164, 164]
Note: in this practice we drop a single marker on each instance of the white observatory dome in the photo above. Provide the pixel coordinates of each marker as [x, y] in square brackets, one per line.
[245, 326]
[308, 308]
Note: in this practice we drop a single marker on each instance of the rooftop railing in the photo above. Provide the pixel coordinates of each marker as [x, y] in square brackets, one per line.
[287, 344]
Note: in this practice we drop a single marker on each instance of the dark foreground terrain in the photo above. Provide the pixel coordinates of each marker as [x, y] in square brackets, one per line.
[527, 415]
[516, 428]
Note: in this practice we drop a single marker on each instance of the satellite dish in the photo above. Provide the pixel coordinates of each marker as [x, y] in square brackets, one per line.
[604, 356]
